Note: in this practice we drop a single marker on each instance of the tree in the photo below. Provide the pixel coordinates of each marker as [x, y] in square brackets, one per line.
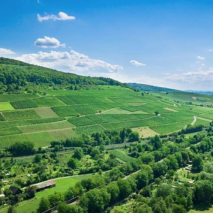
[11, 209]
[156, 113]
[147, 158]
[37, 158]
[65, 208]
[114, 191]
[95, 151]
[158, 205]
[30, 192]
[142, 179]
[156, 142]
[123, 135]
[72, 163]
[178, 209]
[43, 205]
[78, 153]
[197, 164]
[146, 192]
[203, 192]
[134, 136]
[56, 198]
[95, 200]
[163, 190]
[143, 209]
[125, 188]
[22, 148]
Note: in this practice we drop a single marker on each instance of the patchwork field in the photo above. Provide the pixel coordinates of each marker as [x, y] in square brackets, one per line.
[66, 113]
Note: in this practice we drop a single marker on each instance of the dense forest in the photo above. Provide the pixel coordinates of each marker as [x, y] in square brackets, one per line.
[149, 88]
[16, 76]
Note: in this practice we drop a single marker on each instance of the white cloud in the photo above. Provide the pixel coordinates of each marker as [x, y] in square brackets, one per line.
[48, 42]
[200, 76]
[136, 63]
[6, 52]
[200, 58]
[70, 62]
[210, 50]
[61, 17]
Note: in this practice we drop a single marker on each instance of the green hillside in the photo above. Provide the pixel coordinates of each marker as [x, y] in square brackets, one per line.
[150, 88]
[68, 112]
[16, 76]
[59, 112]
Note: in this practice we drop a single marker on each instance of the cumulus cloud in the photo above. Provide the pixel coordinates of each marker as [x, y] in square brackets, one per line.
[48, 42]
[200, 76]
[200, 58]
[4, 51]
[70, 62]
[61, 17]
[136, 63]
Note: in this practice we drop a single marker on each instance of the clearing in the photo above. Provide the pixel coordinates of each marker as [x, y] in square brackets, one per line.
[145, 132]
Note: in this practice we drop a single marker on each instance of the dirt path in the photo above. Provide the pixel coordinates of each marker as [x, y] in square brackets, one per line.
[194, 121]
[204, 119]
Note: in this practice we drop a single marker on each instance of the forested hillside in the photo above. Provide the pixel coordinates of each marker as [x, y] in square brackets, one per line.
[149, 88]
[16, 76]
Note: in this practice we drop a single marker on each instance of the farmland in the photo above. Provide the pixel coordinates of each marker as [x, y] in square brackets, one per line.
[97, 109]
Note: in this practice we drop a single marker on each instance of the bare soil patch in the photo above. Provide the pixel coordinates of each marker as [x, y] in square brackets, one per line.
[145, 132]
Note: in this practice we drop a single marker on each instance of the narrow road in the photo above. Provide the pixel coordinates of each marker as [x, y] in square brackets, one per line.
[194, 121]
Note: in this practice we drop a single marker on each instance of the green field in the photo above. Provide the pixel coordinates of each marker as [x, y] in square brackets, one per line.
[20, 115]
[46, 112]
[6, 106]
[24, 104]
[65, 111]
[47, 101]
[89, 111]
[121, 155]
[46, 127]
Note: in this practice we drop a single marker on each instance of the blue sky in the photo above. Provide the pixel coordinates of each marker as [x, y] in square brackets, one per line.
[165, 43]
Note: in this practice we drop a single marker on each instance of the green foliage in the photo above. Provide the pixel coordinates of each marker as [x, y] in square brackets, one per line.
[21, 148]
[65, 208]
[134, 136]
[43, 205]
[78, 153]
[124, 188]
[55, 199]
[197, 164]
[72, 163]
[95, 200]
[203, 192]
[17, 75]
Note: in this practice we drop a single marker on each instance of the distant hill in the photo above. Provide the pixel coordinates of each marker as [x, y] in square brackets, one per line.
[19, 76]
[201, 92]
[149, 88]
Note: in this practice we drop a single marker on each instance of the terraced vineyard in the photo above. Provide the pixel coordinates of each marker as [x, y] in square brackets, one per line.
[68, 113]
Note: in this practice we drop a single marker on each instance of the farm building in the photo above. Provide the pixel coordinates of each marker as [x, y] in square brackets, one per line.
[45, 185]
